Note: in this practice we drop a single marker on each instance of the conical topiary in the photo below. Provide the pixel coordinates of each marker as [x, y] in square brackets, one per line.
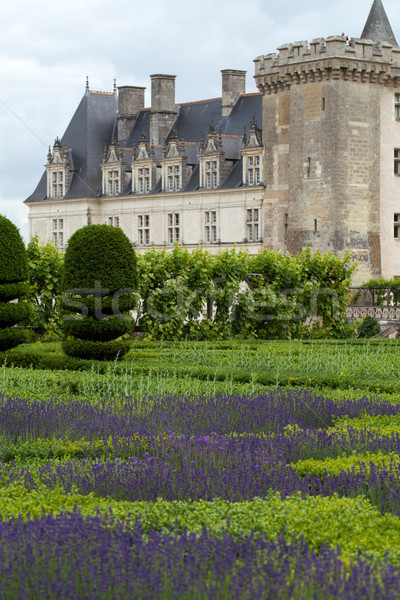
[13, 286]
[99, 283]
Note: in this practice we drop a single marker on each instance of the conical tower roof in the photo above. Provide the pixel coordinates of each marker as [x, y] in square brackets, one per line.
[377, 28]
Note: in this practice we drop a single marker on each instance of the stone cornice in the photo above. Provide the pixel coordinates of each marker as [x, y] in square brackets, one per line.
[328, 69]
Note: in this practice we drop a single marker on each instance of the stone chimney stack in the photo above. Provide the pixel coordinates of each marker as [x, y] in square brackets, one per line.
[233, 84]
[163, 110]
[130, 102]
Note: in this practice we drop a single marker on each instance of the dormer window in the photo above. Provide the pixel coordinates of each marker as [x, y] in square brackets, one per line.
[211, 172]
[252, 149]
[113, 183]
[253, 170]
[144, 167]
[175, 171]
[113, 167]
[59, 170]
[213, 166]
[144, 180]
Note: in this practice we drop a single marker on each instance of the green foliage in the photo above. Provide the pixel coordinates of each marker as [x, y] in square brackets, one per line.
[13, 313]
[13, 259]
[12, 336]
[99, 280]
[369, 327]
[97, 350]
[45, 275]
[100, 253]
[88, 328]
[202, 296]
[12, 291]
[13, 273]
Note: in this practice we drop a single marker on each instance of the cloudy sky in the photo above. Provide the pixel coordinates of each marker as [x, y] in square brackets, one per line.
[48, 47]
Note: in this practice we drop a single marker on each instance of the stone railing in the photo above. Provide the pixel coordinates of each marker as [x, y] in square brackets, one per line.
[383, 303]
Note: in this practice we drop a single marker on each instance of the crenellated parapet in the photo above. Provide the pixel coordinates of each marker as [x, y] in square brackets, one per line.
[330, 58]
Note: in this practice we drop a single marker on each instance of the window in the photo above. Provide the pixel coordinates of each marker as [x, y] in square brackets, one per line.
[396, 226]
[253, 170]
[174, 178]
[58, 234]
[144, 230]
[173, 228]
[114, 221]
[58, 184]
[323, 104]
[211, 174]
[211, 226]
[113, 183]
[253, 229]
[285, 226]
[144, 180]
[397, 161]
[397, 107]
[315, 226]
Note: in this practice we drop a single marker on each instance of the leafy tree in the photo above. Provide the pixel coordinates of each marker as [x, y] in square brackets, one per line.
[45, 276]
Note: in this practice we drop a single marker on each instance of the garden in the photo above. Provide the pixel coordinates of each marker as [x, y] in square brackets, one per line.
[222, 455]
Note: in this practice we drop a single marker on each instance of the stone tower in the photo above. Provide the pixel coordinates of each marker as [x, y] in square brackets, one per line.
[331, 133]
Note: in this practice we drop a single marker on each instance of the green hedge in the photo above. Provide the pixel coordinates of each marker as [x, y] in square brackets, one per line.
[12, 336]
[11, 314]
[12, 291]
[13, 259]
[99, 253]
[88, 328]
[94, 349]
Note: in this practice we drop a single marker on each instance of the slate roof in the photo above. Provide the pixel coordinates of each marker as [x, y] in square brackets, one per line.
[89, 130]
[377, 28]
[94, 124]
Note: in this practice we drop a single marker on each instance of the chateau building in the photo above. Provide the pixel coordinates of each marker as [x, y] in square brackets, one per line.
[312, 159]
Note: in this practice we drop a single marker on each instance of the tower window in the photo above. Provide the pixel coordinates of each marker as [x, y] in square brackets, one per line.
[397, 107]
[285, 226]
[323, 104]
[397, 161]
[396, 226]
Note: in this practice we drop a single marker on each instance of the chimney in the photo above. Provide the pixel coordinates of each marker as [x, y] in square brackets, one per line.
[130, 102]
[233, 84]
[163, 111]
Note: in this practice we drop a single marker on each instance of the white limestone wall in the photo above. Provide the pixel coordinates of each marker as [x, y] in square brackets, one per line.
[390, 183]
[230, 205]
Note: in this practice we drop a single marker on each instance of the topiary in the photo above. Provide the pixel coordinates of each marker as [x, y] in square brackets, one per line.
[13, 286]
[369, 327]
[99, 283]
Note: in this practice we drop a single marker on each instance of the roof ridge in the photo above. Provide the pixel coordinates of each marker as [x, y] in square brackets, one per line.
[101, 93]
[198, 101]
[250, 94]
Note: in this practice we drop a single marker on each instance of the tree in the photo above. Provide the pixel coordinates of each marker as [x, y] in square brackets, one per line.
[13, 286]
[99, 291]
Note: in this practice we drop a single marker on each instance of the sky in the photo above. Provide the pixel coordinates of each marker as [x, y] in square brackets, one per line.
[47, 48]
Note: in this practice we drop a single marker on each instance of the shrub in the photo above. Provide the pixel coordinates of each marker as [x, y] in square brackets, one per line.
[45, 273]
[369, 327]
[99, 282]
[13, 286]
